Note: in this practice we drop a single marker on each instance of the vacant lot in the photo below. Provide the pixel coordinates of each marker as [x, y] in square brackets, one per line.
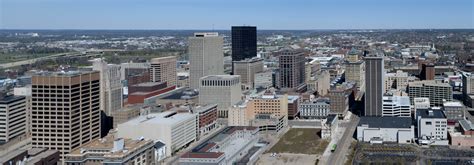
[300, 141]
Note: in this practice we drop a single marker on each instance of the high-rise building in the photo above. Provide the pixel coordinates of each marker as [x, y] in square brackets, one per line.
[427, 71]
[244, 42]
[468, 89]
[396, 106]
[163, 69]
[13, 117]
[436, 91]
[223, 90]
[246, 69]
[292, 68]
[323, 82]
[340, 97]
[355, 72]
[111, 93]
[374, 73]
[206, 56]
[398, 80]
[65, 109]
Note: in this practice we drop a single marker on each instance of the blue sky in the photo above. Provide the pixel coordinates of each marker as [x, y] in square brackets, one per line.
[221, 14]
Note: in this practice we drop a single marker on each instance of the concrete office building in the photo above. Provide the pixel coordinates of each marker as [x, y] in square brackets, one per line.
[113, 151]
[238, 114]
[293, 103]
[175, 130]
[291, 69]
[246, 69]
[316, 109]
[355, 72]
[244, 42]
[163, 69]
[427, 71]
[468, 89]
[374, 76]
[268, 103]
[454, 111]
[396, 106]
[436, 91]
[341, 97]
[26, 92]
[206, 56]
[65, 111]
[397, 80]
[263, 79]
[13, 117]
[323, 82]
[432, 127]
[385, 129]
[223, 90]
[111, 93]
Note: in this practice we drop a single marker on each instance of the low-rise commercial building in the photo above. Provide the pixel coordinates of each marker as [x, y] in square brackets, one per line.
[315, 109]
[227, 147]
[207, 118]
[110, 151]
[139, 92]
[293, 102]
[175, 130]
[454, 111]
[33, 156]
[385, 129]
[432, 127]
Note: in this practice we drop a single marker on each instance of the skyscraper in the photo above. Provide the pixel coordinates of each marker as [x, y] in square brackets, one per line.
[292, 68]
[163, 69]
[65, 109]
[111, 95]
[374, 82]
[244, 42]
[206, 56]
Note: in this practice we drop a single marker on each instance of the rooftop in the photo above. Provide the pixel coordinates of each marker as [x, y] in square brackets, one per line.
[164, 118]
[11, 98]
[62, 74]
[107, 143]
[386, 122]
[428, 82]
[453, 104]
[149, 84]
[430, 113]
[220, 77]
[466, 125]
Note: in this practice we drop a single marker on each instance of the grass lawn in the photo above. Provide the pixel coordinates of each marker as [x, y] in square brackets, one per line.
[301, 141]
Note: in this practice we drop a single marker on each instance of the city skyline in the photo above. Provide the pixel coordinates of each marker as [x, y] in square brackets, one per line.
[213, 14]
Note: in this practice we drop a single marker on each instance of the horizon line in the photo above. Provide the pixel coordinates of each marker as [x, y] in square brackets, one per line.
[138, 29]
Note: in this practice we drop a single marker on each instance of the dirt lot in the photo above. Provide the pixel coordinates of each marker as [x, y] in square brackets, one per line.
[300, 141]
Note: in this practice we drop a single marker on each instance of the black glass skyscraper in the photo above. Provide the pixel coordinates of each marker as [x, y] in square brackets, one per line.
[244, 42]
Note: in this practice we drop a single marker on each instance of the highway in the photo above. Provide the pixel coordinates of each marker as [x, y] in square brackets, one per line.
[339, 156]
[31, 61]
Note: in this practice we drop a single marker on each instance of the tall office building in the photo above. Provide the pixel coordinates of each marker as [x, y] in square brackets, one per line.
[398, 80]
[374, 81]
[436, 91]
[13, 117]
[247, 69]
[355, 72]
[206, 56]
[223, 90]
[427, 71]
[163, 69]
[65, 109]
[468, 89]
[244, 42]
[111, 95]
[292, 68]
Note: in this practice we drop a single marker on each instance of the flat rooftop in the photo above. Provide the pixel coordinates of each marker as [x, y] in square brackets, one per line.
[220, 77]
[107, 143]
[430, 113]
[428, 82]
[63, 74]
[10, 98]
[164, 118]
[149, 84]
[453, 104]
[386, 122]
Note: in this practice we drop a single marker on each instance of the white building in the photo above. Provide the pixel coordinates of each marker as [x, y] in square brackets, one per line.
[454, 111]
[223, 90]
[13, 117]
[175, 130]
[206, 56]
[316, 109]
[432, 127]
[385, 129]
[238, 114]
[111, 90]
[421, 103]
[396, 106]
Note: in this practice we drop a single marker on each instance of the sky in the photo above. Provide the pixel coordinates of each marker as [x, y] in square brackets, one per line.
[222, 14]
